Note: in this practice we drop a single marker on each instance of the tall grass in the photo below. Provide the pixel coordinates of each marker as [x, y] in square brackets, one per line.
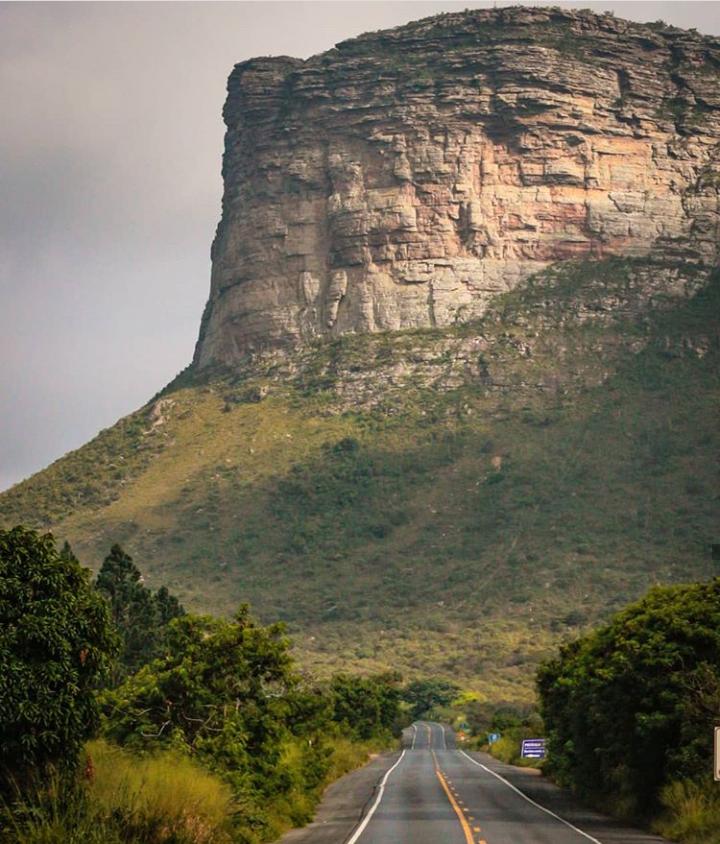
[162, 799]
[692, 812]
[167, 798]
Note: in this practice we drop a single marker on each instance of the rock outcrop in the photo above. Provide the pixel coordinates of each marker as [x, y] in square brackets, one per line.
[404, 178]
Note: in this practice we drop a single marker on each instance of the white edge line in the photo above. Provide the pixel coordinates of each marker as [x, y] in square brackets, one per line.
[412, 746]
[366, 820]
[444, 735]
[530, 800]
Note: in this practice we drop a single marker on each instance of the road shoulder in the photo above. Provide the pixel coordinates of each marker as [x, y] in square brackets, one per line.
[343, 804]
[565, 805]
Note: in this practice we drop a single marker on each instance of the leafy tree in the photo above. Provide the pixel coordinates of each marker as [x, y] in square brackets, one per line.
[167, 606]
[425, 695]
[55, 643]
[631, 706]
[140, 615]
[366, 706]
[224, 690]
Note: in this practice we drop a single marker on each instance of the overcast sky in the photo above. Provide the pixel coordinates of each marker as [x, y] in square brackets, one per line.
[110, 153]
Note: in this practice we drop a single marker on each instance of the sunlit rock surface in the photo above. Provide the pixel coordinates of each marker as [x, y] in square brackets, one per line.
[406, 177]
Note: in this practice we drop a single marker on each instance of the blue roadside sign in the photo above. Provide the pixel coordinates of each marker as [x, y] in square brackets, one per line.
[533, 748]
[493, 737]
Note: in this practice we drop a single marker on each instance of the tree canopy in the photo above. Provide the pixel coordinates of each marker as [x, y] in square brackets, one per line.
[632, 705]
[55, 643]
[425, 695]
[139, 614]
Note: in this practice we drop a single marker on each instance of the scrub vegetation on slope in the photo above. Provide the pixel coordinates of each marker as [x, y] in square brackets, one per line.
[451, 501]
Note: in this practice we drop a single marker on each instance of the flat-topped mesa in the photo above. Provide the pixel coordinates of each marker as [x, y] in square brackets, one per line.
[405, 177]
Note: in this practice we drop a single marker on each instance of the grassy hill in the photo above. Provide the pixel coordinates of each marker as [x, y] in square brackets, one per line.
[438, 501]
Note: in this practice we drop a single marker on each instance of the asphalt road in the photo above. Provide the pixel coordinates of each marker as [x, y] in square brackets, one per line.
[434, 793]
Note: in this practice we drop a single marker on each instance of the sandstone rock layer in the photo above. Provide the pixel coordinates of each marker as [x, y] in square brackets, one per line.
[404, 178]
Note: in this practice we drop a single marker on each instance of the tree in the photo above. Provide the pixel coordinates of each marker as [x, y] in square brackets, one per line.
[425, 695]
[631, 706]
[366, 706]
[223, 690]
[140, 615]
[55, 643]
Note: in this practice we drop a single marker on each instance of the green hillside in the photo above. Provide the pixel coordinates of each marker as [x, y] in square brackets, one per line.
[438, 501]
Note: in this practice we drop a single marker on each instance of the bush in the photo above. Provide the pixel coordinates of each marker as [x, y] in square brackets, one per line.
[424, 696]
[162, 797]
[366, 707]
[226, 692]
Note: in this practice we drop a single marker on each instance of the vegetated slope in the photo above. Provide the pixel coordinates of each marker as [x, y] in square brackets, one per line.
[446, 501]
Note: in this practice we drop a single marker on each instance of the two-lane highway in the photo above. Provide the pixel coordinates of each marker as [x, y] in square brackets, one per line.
[414, 803]
[435, 793]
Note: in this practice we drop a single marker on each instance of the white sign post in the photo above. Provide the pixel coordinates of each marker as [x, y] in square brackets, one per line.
[717, 754]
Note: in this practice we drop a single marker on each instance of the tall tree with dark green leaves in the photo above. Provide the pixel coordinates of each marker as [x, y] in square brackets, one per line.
[56, 640]
[224, 690]
[632, 705]
[140, 615]
[365, 707]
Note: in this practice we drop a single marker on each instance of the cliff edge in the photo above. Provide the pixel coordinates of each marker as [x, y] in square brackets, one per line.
[404, 178]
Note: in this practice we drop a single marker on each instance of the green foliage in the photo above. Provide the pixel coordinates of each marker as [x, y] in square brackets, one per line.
[630, 707]
[424, 696]
[220, 691]
[366, 550]
[366, 707]
[512, 721]
[217, 740]
[226, 693]
[139, 615]
[55, 643]
[484, 717]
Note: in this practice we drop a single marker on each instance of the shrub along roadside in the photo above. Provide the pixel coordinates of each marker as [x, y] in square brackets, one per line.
[218, 739]
[630, 710]
[161, 798]
[512, 724]
[226, 693]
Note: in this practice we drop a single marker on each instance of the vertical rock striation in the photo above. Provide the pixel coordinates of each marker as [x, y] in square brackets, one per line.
[405, 177]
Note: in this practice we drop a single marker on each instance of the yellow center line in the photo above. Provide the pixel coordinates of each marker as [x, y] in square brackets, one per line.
[458, 811]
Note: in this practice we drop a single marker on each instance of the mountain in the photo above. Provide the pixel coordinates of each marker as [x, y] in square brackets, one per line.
[406, 177]
[455, 391]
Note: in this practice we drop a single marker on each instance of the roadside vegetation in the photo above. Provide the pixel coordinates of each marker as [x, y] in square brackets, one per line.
[361, 523]
[511, 723]
[630, 708]
[204, 733]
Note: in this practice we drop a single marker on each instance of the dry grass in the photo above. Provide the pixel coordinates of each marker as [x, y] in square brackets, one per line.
[692, 812]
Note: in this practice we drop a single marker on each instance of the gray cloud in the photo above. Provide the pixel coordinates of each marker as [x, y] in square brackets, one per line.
[110, 153]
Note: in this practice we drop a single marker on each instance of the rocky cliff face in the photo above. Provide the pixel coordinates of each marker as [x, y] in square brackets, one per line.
[404, 178]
